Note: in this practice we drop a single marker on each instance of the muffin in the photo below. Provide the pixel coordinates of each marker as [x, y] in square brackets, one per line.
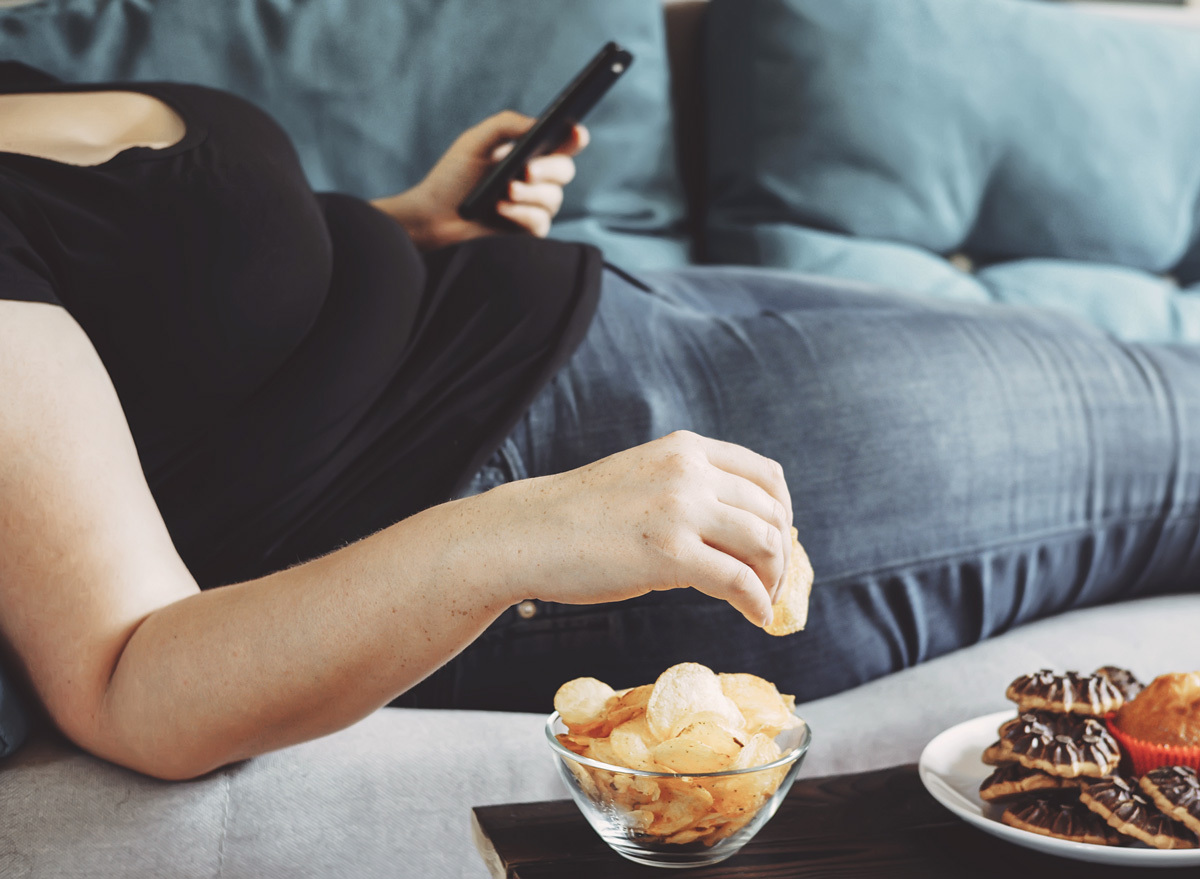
[1161, 725]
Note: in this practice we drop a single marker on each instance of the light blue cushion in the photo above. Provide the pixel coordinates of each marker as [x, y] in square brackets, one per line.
[1006, 129]
[898, 266]
[1129, 303]
[374, 92]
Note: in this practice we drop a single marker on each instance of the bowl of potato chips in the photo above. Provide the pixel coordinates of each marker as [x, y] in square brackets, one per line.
[682, 772]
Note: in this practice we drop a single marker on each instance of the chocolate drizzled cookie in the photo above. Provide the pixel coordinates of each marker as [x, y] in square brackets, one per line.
[1176, 792]
[1012, 780]
[1123, 679]
[1062, 819]
[1061, 745]
[1070, 693]
[1131, 813]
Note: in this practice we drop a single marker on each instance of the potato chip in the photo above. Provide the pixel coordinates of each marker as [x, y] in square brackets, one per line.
[791, 605]
[789, 702]
[699, 747]
[632, 743]
[578, 744]
[689, 756]
[635, 790]
[582, 702]
[629, 704]
[678, 808]
[738, 795]
[764, 708]
[584, 777]
[691, 722]
[725, 830]
[686, 693]
[640, 819]
[709, 821]
[603, 779]
[759, 751]
[714, 736]
[601, 749]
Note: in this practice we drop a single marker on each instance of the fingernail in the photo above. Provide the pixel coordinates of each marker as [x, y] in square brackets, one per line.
[769, 618]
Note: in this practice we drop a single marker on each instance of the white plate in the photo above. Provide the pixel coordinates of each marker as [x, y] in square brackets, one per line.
[951, 770]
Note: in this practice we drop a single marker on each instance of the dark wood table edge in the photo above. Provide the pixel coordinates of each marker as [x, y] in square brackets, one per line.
[876, 823]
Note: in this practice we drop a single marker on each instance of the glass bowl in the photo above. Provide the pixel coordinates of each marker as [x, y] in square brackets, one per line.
[668, 819]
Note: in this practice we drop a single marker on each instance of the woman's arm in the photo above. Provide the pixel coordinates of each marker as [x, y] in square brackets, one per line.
[137, 665]
[428, 211]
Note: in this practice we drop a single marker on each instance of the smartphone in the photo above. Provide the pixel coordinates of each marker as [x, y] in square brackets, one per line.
[550, 130]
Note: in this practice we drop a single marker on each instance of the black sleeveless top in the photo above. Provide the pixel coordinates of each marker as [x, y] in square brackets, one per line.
[295, 373]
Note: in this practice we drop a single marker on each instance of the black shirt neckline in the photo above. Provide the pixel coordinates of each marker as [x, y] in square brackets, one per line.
[17, 78]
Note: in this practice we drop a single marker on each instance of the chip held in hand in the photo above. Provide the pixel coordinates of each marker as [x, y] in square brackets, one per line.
[791, 606]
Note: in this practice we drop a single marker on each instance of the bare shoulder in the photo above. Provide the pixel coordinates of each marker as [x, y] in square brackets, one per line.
[84, 553]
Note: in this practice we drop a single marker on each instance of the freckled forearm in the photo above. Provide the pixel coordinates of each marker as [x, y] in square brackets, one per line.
[241, 670]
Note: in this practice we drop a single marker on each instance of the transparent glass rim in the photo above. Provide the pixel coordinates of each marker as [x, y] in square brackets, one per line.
[787, 758]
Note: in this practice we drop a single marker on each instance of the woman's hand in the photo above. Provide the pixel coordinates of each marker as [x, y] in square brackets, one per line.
[428, 211]
[681, 511]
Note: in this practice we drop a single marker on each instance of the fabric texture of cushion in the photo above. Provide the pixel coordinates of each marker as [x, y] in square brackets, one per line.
[373, 93]
[869, 138]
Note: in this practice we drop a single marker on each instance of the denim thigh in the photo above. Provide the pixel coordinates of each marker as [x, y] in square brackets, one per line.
[956, 469]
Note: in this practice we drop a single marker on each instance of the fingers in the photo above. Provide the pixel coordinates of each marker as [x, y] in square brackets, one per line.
[762, 471]
[496, 134]
[750, 540]
[554, 168]
[723, 576]
[532, 205]
[576, 141]
[496, 130]
[536, 220]
[548, 196]
[753, 500]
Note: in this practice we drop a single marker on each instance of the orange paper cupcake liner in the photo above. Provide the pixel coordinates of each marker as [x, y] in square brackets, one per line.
[1147, 755]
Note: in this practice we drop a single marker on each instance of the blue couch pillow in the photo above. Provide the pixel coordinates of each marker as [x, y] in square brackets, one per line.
[374, 92]
[1003, 129]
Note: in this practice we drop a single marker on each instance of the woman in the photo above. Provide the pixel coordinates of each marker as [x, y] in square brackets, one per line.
[210, 376]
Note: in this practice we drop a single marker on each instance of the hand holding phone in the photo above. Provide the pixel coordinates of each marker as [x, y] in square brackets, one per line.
[551, 129]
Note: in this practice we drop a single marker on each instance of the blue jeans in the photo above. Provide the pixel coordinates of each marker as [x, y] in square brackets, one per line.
[957, 470]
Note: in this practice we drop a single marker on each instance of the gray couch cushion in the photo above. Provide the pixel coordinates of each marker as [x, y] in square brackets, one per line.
[888, 721]
[391, 796]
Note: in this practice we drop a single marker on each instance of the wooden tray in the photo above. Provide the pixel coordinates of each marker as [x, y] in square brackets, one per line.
[881, 823]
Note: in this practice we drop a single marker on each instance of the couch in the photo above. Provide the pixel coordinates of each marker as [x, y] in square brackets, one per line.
[391, 796]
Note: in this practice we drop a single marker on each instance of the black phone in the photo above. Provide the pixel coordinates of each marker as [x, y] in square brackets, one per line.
[550, 130]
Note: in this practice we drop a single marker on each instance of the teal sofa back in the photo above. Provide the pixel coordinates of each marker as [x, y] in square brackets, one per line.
[1055, 151]
[374, 92]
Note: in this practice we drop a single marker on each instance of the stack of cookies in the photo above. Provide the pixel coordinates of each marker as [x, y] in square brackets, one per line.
[1059, 767]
